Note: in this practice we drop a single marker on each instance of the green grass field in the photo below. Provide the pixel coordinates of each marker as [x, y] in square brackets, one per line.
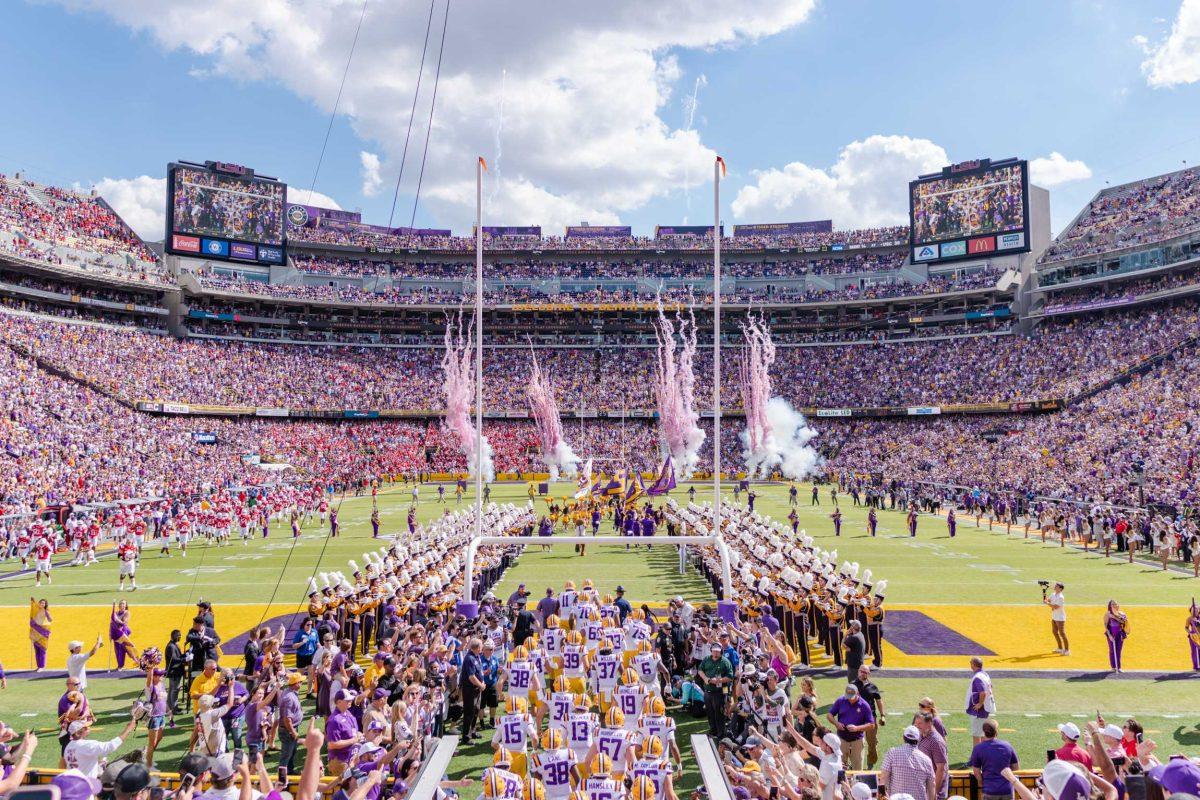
[976, 569]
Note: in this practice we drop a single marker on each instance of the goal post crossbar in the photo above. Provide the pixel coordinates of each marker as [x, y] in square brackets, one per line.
[659, 541]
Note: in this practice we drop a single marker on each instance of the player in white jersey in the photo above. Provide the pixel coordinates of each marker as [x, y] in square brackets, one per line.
[514, 730]
[581, 728]
[499, 783]
[655, 722]
[552, 640]
[615, 742]
[568, 600]
[648, 666]
[652, 763]
[593, 630]
[605, 675]
[556, 766]
[600, 784]
[574, 661]
[629, 697]
[562, 701]
[636, 632]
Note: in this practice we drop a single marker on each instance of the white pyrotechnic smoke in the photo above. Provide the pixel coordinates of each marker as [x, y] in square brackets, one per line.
[497, 167]
[689, 109]
[776, 435]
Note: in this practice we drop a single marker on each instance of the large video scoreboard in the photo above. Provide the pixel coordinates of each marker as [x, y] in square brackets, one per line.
[226, 212]
[970, 210]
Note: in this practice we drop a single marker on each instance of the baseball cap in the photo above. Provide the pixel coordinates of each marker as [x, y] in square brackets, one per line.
[344, 694]
[751, 766]
[221, 767]
[74, 644]
[860, 791]
[76, 726]
[367, 748]
[1111, 731]
[1069, 730]
[741, 793]
[133, 779]
[753, 741]
[851, 688]
[74, 785]
[620, 590]
[1064, 781]
[900, 796]
[381, 694]
[1177, 776]
[296, 678]
[832, 740]
[911, 734]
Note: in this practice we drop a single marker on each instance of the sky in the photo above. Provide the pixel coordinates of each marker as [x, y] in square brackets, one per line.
[610, 113]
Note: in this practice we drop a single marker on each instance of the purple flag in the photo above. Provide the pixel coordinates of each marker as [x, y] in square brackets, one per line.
[665, 481]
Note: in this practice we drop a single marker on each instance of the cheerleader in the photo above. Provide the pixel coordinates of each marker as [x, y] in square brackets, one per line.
[39, 631]
[119, 633]
[1116, 630]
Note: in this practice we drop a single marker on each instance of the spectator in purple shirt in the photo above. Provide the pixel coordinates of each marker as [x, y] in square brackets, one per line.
[989, 759]
[342, 734]
[852, 716]
[235, 719]
[291, 715]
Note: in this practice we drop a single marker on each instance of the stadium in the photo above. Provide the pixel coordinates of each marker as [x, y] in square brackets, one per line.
[296, 502]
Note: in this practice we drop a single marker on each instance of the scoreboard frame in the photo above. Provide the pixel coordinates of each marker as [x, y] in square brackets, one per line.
[224, 248]
[976, 246]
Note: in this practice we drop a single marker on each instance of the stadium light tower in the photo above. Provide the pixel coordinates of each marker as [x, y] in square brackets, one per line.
[725, 607]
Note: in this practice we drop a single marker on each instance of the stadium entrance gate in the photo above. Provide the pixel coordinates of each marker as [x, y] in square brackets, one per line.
[726, 607]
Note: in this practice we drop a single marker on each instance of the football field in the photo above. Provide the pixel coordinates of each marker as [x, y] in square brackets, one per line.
[947, 599]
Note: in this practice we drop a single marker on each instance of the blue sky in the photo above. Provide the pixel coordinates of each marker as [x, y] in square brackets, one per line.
[595, 106]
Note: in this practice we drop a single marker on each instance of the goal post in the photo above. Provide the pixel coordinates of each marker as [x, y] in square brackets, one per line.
[726, 607]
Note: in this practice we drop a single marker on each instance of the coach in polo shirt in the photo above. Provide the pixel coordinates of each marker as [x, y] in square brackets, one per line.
[342, 734]
[852, 716]
[988, 761]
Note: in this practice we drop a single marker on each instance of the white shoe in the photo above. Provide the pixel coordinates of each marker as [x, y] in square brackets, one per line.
[1066, 652]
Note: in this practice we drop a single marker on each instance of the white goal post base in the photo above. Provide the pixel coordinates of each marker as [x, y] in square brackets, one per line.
[726, 608]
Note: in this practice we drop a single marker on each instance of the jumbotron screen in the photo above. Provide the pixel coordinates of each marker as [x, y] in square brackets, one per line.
[970, 210]
[225, 211]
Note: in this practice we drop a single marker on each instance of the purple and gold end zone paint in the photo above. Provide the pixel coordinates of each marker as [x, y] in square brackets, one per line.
[915, 633]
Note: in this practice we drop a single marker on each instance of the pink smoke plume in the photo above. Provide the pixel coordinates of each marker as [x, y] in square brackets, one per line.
[458, 384]
[776, 435]
[556, 453]
[757, 357]
[674, 390]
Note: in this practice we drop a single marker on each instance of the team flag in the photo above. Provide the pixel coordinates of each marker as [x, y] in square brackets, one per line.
[665, 481]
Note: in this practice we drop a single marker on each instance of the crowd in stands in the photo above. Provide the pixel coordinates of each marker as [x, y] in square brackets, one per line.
[1060, 360]
[1135, 213]
[356, 236]
[38, 218]
[1122, 292]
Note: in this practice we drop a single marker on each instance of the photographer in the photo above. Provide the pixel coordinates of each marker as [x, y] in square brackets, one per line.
[1058, 616]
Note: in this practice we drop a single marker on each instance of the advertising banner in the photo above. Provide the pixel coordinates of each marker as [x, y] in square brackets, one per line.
[512, 230]
[598, 231]
[783, 228]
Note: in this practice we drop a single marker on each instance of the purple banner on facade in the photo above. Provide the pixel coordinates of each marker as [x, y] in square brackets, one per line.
[684, 230]
[302, 216]
[597, 231]
[422, 231]
[784, 228]
[244, 251]
[512, 230]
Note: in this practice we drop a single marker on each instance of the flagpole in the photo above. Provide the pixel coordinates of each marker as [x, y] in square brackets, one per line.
[726, 608]
[479, 347]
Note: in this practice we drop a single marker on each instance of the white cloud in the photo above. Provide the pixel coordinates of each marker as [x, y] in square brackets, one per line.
[1176, 59]
[867, 186]
[1056, 169]
[141, 202]
[369, 170]
[585, 86]
[311, 198]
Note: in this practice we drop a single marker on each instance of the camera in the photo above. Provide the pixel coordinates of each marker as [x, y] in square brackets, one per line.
[1044, 584]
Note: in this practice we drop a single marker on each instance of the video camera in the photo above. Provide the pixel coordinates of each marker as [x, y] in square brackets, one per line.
[1045, 587]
